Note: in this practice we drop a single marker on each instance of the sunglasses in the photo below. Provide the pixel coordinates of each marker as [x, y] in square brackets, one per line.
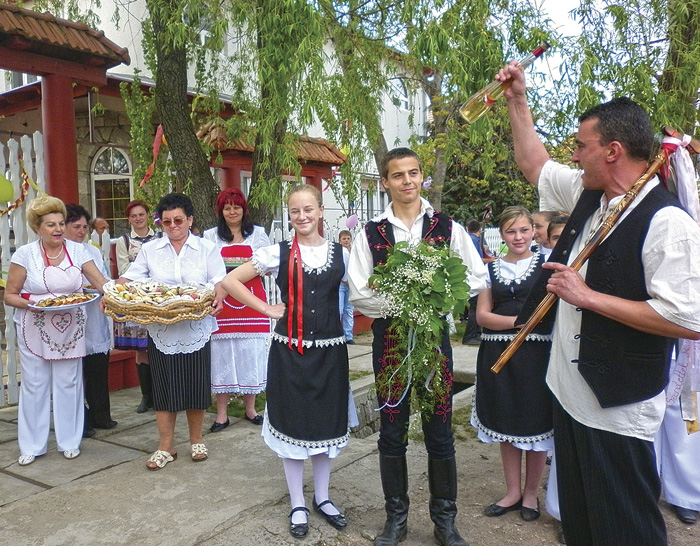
[176, 221]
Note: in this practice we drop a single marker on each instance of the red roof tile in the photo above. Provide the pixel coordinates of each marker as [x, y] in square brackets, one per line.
[44, 34]
[309, 149]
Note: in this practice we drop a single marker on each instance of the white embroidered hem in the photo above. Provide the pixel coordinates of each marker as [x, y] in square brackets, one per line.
[289, 450]
[539, 442]
[310, 343]
[509, 337]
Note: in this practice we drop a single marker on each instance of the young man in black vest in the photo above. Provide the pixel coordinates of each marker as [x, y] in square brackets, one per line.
[616, 319]
[411, 218]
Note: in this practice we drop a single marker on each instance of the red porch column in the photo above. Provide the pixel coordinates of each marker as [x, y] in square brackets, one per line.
[231, 177]
[60, 146]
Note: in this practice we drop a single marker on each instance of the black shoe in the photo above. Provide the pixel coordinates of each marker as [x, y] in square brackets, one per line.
[257, 420]
[530, 514]
[88, 432]
[299, 530]
[108, 425]
[337, 521]
[686, 515]
[350, 342]
[218, 427]
[496, 510]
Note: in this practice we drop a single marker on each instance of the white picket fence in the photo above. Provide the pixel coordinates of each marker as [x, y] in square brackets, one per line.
[14, 232]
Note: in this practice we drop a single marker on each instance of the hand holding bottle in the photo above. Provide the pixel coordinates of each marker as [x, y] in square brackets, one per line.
[482, 101]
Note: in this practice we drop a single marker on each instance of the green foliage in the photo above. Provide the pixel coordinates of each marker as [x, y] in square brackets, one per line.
[140, 107]
[418, 286]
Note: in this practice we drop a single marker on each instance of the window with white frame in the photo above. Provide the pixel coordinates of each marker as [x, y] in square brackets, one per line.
[399, 93]
[374, 198]
[18, 79]
[112, 188]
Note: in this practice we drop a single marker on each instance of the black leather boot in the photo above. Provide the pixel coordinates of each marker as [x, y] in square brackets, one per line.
[144, 373]
[394, 475]
[442, 477]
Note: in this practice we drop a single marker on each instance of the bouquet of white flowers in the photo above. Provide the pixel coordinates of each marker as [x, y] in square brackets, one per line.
[418, 285]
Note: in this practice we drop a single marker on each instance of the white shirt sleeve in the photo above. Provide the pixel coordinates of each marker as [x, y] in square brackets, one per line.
[266, 260]
[559, 187]
[360, 267]
[462, 244]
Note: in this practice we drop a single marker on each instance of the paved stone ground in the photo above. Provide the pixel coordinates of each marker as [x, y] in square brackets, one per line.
[239, 496]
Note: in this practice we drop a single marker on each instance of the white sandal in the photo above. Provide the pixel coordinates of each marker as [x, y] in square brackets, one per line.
[71, 453]
[199, 453]
[159, 459]
[24, 460]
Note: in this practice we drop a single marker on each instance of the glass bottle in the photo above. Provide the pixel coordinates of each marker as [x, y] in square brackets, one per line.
[482, 101]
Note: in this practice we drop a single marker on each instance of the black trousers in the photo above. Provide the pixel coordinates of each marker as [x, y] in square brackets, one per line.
[472, 329]
[393, 432]
[608, 486]
[96, 374]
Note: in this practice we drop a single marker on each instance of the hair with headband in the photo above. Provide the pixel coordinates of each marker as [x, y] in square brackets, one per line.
[235, 197]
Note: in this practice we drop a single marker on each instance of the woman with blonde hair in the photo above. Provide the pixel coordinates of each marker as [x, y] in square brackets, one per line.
[513, 407]
[52, 341]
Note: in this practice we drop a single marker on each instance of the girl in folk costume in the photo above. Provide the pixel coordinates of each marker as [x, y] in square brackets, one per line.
[308, 387]
[129, 335]
[52, 342]
[514, 409]
[239, 346]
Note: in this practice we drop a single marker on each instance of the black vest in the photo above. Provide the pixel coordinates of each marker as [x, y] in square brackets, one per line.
[621, 364]
[380, 235]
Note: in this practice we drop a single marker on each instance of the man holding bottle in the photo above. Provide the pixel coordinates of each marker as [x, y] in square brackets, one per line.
[616, 318]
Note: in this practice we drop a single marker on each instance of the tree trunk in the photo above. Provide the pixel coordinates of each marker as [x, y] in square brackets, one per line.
[192, 172]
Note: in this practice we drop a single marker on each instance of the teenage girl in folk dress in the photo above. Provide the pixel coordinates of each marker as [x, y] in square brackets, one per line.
[307, 382]
[514, 407]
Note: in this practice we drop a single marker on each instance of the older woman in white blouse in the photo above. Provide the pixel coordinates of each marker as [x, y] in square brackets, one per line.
[179, 353]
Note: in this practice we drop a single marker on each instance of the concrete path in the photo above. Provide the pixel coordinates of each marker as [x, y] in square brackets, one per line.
[107, 496]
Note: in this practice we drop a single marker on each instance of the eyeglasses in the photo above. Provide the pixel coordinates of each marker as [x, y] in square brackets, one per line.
[177, 221]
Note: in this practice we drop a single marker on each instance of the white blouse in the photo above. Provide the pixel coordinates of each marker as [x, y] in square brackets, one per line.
[267, 259]
[199, 262]
[255, 240]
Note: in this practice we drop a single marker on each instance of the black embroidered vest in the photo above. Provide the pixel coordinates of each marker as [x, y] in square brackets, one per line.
[380, 235]
[621, 364]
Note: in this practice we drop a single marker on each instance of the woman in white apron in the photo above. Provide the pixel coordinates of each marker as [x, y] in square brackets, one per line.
[52, 342]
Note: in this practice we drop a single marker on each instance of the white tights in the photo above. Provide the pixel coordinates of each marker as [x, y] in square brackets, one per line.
[294, 472]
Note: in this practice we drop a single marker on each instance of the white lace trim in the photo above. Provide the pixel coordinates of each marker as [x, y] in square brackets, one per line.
[257, 266]
[509, 337]
[307, 444]
[232, 335]
[317, 270]
[517, 280]
[506, 437]
[308, 342]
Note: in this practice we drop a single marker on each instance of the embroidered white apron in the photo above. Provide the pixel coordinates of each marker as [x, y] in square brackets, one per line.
[59, 334]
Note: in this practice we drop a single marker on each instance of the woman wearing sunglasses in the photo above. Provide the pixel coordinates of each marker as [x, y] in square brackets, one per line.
[179, 354]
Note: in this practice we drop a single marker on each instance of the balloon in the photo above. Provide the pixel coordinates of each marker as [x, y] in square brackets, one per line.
[351, 222]
[7, 192]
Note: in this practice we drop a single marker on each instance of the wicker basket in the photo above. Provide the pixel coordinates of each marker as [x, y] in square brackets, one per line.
[164, 313]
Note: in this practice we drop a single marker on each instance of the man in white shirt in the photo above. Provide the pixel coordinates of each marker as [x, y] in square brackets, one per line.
[411, 218]
[616, 319]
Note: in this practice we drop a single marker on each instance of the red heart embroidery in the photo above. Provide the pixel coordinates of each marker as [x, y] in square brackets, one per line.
[61, 321]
